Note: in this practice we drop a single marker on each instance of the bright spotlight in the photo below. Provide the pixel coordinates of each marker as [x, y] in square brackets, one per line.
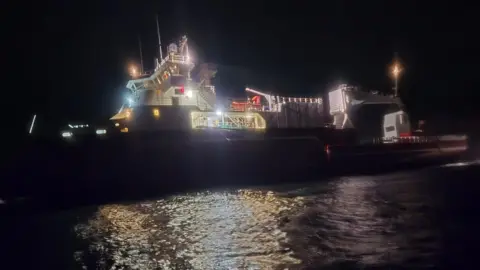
[189, 93]
[133, 71]
[219, 112]
[396, 70]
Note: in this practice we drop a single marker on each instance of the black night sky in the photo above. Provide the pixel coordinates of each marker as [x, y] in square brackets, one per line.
[70, 58]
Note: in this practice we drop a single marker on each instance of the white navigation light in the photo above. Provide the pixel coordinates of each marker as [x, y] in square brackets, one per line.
[189, 93]
[66, 134]
[100, 131]
[219, 112]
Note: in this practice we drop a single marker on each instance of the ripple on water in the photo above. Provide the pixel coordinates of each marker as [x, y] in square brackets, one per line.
[346, 223]
[209, 230]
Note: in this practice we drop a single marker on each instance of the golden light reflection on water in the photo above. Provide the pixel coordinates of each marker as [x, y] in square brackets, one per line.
[349, 222]
[209, 230]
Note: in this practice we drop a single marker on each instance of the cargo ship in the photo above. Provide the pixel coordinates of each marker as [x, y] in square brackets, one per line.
[174, 111]
[171, 99]
[170, 136]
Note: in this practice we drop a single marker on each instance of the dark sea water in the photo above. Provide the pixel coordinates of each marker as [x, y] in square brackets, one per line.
[427, 219]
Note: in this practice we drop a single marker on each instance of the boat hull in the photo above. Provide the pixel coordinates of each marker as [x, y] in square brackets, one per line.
[134, 166]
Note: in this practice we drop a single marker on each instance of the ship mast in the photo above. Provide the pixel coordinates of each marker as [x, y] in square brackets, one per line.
[141, 56]
[159, 41]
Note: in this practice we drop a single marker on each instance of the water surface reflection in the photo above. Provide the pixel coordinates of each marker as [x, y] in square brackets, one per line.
[211, 230]
[350, 222]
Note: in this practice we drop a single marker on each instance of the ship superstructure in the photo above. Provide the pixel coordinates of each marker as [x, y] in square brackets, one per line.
[170, 99]
[371, 114]
[171, 83]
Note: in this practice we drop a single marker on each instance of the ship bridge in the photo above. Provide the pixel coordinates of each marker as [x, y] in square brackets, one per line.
[170, 84]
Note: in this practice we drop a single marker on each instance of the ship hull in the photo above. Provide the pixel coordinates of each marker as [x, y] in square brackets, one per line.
[156, 118]
[133, 166]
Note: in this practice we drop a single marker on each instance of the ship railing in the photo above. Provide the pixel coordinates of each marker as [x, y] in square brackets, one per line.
[161, 101]
[181, 59]
[280, 100]
[207, 100]
[407, 139]
[205, 86]
[162, 62]
[181, 102]
[176, 58]
[209, 88]
[239, 107]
